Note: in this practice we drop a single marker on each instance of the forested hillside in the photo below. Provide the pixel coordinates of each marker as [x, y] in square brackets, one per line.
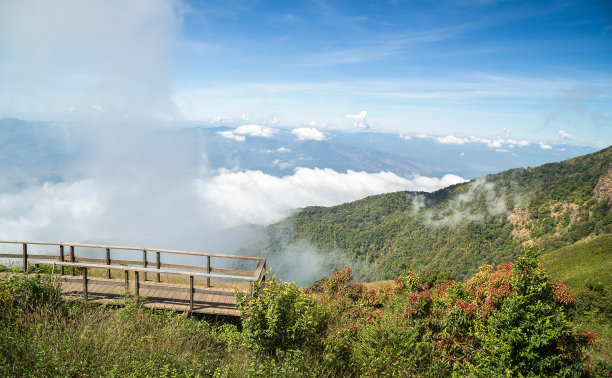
[485, 221]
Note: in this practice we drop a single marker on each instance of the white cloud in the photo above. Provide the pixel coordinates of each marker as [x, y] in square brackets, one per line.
[451, 139]
[405, 136]
[282, 165]
[251, 130]
[255, 131]
[498, 143]
[229, 134]
[545, 146]
[359, 119]
[308, 133]
[256, 197]
[283, 149]
[564, 134]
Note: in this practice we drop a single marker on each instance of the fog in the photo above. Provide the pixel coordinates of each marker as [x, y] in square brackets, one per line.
[102, 71]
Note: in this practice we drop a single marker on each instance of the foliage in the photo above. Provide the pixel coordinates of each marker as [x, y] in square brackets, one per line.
[513, 320]
[509, 320]
[278, 316]
[586, 267]
[460, 227]
[528, 331]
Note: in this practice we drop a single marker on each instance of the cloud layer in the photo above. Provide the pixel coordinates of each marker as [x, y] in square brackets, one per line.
[144, 206]
[256, 197]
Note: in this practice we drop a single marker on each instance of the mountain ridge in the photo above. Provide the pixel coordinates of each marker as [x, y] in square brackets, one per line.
[487, 220]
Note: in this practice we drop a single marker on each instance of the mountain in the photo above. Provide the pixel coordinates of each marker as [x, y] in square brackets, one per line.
[485, 221]
[48, 151]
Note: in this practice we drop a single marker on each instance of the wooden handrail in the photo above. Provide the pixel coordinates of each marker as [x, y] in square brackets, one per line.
[117, 264]
[170, 251]
[141, 270]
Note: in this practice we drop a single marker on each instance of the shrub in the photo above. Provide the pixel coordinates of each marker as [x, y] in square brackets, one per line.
[528, 329]
[278, 317]
[19, 294]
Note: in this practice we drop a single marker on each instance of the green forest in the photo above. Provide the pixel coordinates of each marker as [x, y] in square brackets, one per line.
[485, 221]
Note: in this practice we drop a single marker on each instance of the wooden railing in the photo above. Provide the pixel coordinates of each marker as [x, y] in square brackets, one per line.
[66, 257]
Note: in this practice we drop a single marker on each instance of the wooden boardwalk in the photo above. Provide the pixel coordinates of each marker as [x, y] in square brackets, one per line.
[213, 300]
[164, 296]
[198, 296]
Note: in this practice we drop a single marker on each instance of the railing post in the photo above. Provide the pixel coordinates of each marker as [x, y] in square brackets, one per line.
[264, 273]
[25, 258]
[127, 281]
[191, 293]
[108, 262]
[85, 283]
[137, 284]
[208, 271]
[36, 266]
[72, 259]
[158, 258]
[144, 262]
[61, 259]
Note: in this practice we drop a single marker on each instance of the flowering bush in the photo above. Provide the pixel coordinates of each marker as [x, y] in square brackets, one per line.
[511, 320]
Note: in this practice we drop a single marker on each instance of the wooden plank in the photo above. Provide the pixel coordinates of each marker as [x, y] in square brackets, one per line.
[11, 255]
[208, 271]
[138, 269]
[25, 258]
[85, 283]
[41, 257]
[136, 284]
[258, 270]
[158, 263]
[144, 263]
[61, 258]
[108, 262]
[191, 293]
[72, 259]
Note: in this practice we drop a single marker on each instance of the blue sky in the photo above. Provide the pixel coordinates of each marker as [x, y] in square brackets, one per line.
[517, 69]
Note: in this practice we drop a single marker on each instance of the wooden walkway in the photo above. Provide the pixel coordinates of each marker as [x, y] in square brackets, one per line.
[213, 300]
[198, 296]
[166, 296]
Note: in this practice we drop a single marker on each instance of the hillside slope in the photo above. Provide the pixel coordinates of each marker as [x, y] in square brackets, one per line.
[484, 221]
[587, 268]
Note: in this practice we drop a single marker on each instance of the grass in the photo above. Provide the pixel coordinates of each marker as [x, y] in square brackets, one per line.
[587, 268]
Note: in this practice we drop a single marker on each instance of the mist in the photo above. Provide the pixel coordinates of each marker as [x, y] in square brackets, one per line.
[481, 200]
[108, 168]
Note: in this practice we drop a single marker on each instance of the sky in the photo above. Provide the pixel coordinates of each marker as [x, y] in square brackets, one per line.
[540, 71]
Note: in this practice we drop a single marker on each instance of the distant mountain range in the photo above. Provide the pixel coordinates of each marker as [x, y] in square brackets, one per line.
[42, 151]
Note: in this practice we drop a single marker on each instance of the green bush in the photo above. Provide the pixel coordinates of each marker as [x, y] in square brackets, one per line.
[531, 332]
[20, 294]
[278, 317]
